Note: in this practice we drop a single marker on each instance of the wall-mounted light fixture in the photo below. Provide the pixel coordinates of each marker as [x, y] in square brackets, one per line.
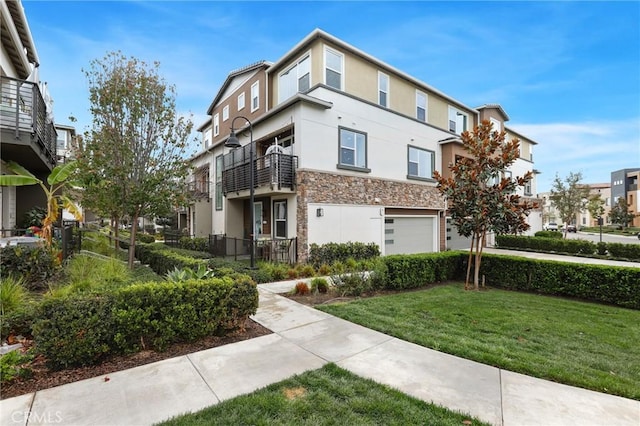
[319, 212]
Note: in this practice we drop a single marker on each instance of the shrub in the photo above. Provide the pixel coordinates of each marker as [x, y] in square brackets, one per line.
[195, 244]
[163, 259]
[607, 284]
[319, 285]
[548, 234]
[301, 288]
[546, 244]
[332, 252]
[625, 251]
[35, 265]
[417, 270]
[305, 271]
[12, 366]
[324, 269]
[602, 248]
[13, 294]
[354, 284]
[292, 273]
[84, 329]
[145, 238]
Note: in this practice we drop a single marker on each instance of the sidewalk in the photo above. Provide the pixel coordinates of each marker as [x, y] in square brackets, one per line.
[305, 339]
[561, 257]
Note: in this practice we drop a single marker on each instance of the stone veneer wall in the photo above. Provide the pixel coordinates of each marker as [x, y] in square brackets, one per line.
[332, 188]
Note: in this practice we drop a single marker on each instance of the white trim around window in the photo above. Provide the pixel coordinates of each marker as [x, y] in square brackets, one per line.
[383, 89]
[241, 101]
[458, 121]
[420, 163]
[352, 150]
[333, 68]
[421, 106]
[216, 124]
[255, 96]
[225, 113]
[296, 78]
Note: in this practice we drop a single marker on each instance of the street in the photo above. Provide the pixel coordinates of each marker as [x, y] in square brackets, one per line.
[607, 238]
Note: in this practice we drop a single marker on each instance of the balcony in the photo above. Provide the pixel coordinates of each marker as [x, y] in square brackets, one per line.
[274, 172]
[199, 189]
[28, 134]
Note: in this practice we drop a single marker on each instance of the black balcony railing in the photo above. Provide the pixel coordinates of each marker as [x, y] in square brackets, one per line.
[199, 189]
[275, 170]
[23, 110]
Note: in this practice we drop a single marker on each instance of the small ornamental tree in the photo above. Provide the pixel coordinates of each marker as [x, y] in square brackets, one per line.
[133, 159]
[480, 197]
[595, 206]
[569, 197]
[620, 213]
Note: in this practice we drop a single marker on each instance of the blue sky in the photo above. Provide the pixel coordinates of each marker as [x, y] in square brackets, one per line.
[567, 73]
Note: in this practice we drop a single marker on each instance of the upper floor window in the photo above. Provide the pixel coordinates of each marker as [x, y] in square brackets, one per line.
[421, 163]
[458, 121]
[421, 106]
[216, 125]
[295, 79]
[497, 125]
[225, 113]
[255, 96]
[383, 89]
[61, 140]
[333, 68]
[353, 149]
[241, 101]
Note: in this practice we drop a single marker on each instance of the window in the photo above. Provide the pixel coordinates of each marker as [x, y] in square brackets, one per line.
[527, 188]
[225, 113]
[61, 140]
[295, 79]
[219, 165]
[333, 68]
[241, 101]
[421, 106]
[383, 89]
[280, 218]
[353, 149]
[497, 126]
[421, 163]
[255, 96]
[457, 121]
[216, 125]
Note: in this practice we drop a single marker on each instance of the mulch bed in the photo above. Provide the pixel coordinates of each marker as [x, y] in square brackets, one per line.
[43, 378]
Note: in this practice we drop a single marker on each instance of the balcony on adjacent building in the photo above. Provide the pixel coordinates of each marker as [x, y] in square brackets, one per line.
[199, 189]
[28, 133]
[273, 172]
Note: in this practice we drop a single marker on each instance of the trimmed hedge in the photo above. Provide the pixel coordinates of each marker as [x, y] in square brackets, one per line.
[615, 250]
[609, 284]
[334, 252]
[163, 259]
[417, 270]
[546, 244]
[195, 244]
[549, 234]
[84, 330]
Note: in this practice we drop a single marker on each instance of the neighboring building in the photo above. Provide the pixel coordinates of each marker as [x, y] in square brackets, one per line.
[27, 134]
[624, 184]
[64, 142]
[604, 191]
[345, 149]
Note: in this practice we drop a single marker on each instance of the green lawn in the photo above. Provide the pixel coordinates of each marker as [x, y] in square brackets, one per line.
[581, 344]
[328, 396]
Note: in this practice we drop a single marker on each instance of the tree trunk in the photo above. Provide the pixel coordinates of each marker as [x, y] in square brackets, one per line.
[116, 233]
[132, 240]
[476, 266]
[469, 261]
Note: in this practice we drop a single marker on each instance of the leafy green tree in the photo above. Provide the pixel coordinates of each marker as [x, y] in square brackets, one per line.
[620, 213]
[133, 159]
[568, 196]
[56, 192]
[480, 197]
[595, 206]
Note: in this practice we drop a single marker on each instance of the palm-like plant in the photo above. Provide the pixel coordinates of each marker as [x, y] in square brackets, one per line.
[58, 183]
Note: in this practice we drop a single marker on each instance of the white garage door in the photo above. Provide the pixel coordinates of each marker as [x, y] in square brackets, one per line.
[456, 241]
[405, 235]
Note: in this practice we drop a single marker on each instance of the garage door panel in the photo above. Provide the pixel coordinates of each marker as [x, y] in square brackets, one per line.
[405, 235]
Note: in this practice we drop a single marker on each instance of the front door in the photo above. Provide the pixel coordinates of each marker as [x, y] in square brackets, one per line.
[257, 215]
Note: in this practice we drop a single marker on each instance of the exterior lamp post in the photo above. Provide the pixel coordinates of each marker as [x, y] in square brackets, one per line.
[233, 143]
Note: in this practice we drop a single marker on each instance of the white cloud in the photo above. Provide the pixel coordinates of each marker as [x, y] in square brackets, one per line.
[594, 148]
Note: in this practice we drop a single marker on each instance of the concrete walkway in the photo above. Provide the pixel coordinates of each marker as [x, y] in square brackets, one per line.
[306, 339]
[561, 257]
